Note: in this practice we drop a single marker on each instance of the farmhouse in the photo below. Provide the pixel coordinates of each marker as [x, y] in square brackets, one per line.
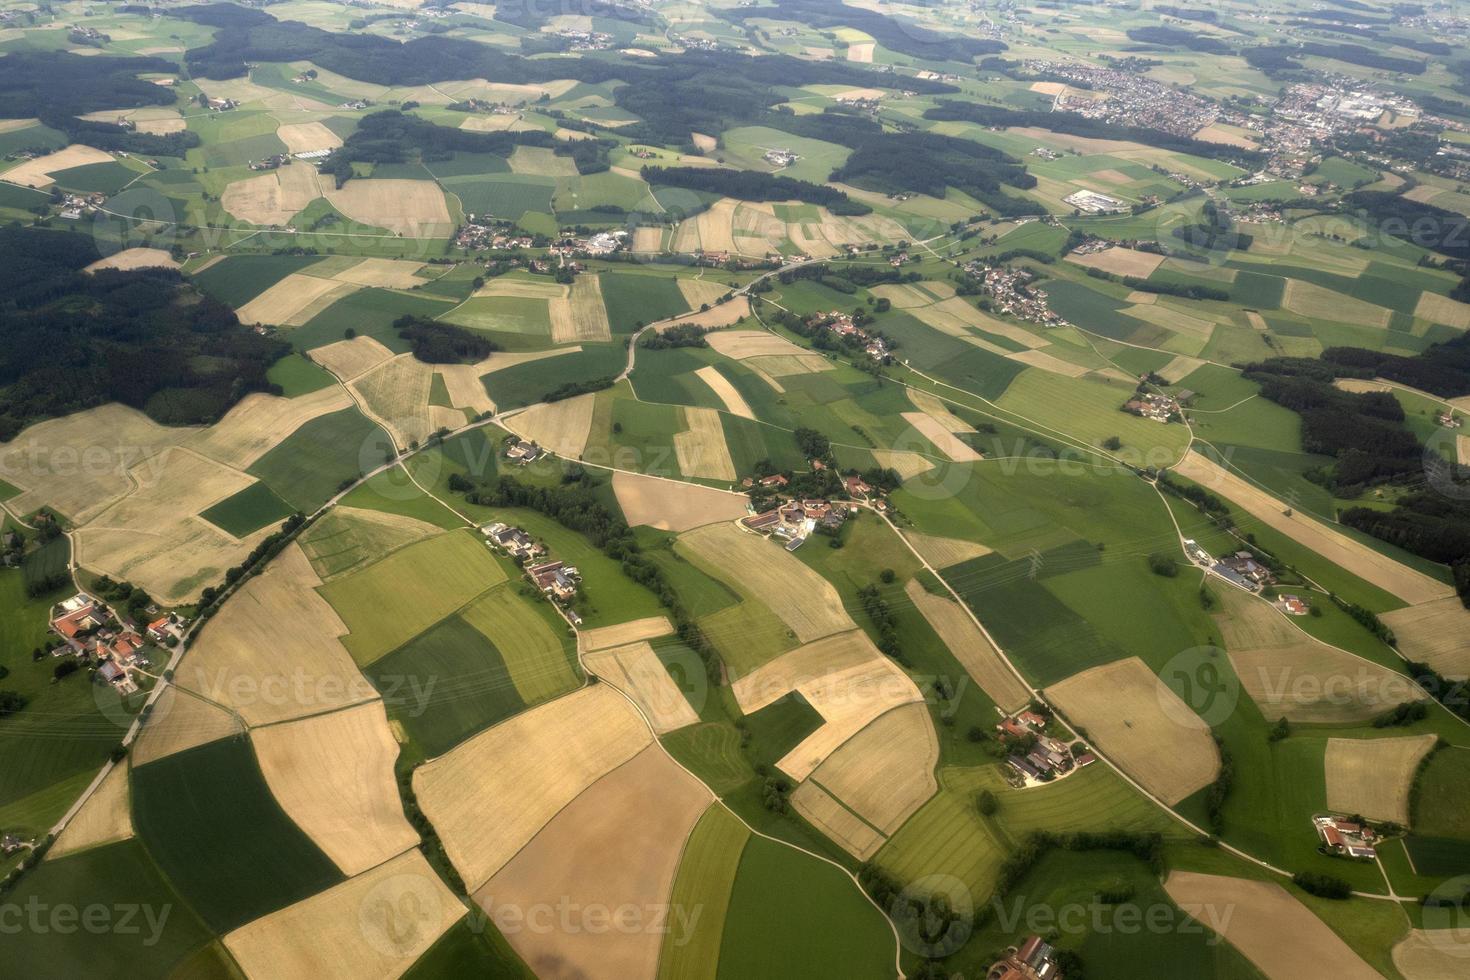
[1034, 959]
[1242, 569]
[1091, 202]
[556, 579]
[512, 540]
[1293, 605]
[518, 450]
[1159, 408]
[1346, 838]
[793, 521]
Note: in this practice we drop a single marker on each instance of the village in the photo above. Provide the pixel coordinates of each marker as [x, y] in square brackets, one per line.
[92, 633]
[1035, 758]
[848, 330]
[1012, 292]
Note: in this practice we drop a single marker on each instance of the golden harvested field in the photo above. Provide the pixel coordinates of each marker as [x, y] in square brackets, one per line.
[1048, 362]
[491, 794]
[636, 671]
[1440, 954]
[181, 720]
[970, 647]
[624, 633]
[543, 161]
[411, 208]
[375, 925]
[861, 52]
[906, 465]
[735, 402]
[1372, 776]
[105, 817]
[1229, 135]
[1408, 584]
[1314, 683]
[1171, 318]
[801, 667]
[902, 295]
[741, 344]
[581, 315]
[1132, 716]
[1436, 633]
[293, 300]
[885, 772]
[948, 444]
[697, 292]
[616, 846]
[276, 197]
[1442, 309]
[258, 423]
[274, 651]
[522, 288]
[722, 315]
[804, 600]
[958, 318]
[37, 172]
[153, 537]
[822, 810]
[1309, 299]
[1272, 929]
[701, 448]
[711, 230]
[465, 388]
[670, 505]
[396, 396]
[135, 258]
[1119, 261]
[79, 464]
[938, 409]
[305, 137]
[561, 426]
[1179, 368]
[386, 273]
[333, 775]
[348, 359]
[648, 238]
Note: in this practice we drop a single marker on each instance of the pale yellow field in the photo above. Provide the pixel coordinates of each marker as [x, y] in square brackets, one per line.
[1142, 725]
[292, 301]
[938, 409]
[833, 656]
[697, 292]
[943, 440]
[181, 720]
[79, 464]
[523, 288]
[492, 794]
[348, 359]
[741, 344]
[1318, 684]
[1272, 929]
[1442, 309]
[561, 426]
[333, 775]
[1171, 318]
[1227, 135]
[701, 448]
[958, 318]
[648, 238]
[541, 160]
[715, 226]
[375, 925]
[153, 537]
[735, 402]
[346, 537]
[822, 811]
[135, 258]
[722, 315]
[906, 465]
[259, 423]
[307, 136]
[862, 52]
[903, 296]
[1441, 954]
[1412, 586]
[387, 273]
[624, 633]
[1119, 261]
[636, 671]
[581, 315]
[37, 172]
[1436, 633]
[1309, 299]
[886, 771]
[465, 388]
[981, 660]
[804, 600]
[105, 817]
[274, 651]
[616, 846]
[1179, 368]
[274, 198]
[671, 505]
[1048, 362]
[396, 396]
[411, 208]
[1372, 776]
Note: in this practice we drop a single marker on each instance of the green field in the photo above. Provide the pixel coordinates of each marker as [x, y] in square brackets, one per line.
[632, 298]
[1442, 799]
[529, 637]
[503, 314]
[469, 950]
[298, 376]
[150, 930]
[526, 384]
[392, 492]
[105, 178]
[210, 821]
[238, 279]
[316, 460]
[445, 685]
[248, 511]
[791, 915]
[369, 313]
[393, 600]
[705, 881]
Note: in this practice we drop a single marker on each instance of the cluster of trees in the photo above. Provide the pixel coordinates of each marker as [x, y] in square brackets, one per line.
[1075, 125]
[1402, 715]
[1454, 695]
[683, 335]
[752, 185]
[75, 340]
[1427, 523]
[1425, 225]
[571, 389]
[1322, 885]
[881, 616]
[1278, 59]
[894, 34]
[262, 553]
[434, 342]
[1173, 37]
[1443, 369]
[1213, 231]
[1219, 790]
[1180, 289]
[927, 163]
